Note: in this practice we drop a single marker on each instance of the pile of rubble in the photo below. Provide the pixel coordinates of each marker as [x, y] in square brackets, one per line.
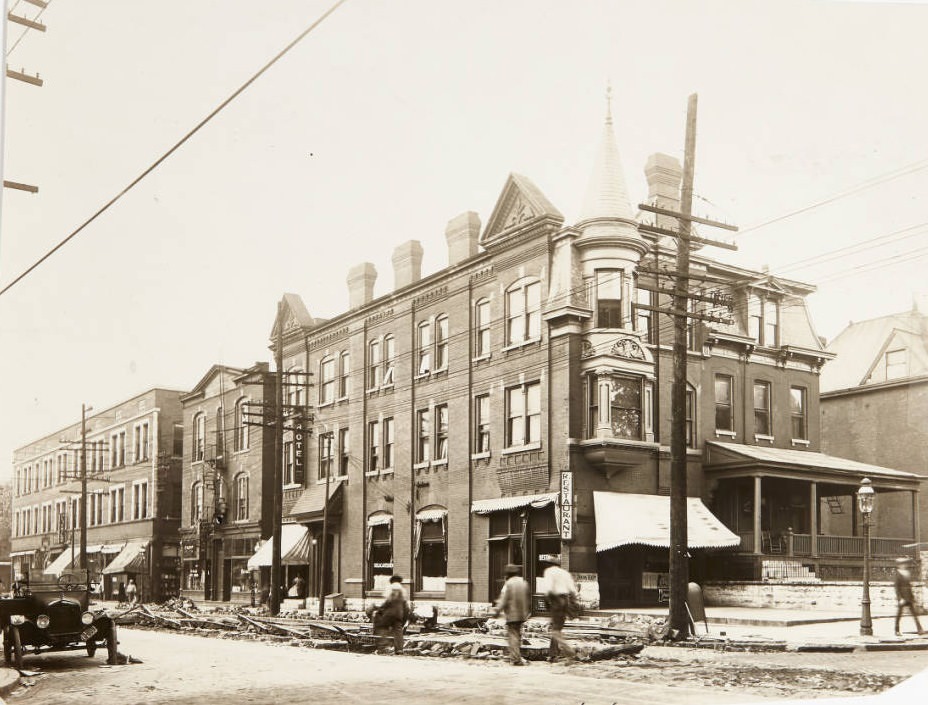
[469, 637]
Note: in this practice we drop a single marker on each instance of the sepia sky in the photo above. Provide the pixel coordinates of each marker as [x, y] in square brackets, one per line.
[393, 117]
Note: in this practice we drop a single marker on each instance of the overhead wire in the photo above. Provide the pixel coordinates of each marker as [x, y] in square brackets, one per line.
[177, 145]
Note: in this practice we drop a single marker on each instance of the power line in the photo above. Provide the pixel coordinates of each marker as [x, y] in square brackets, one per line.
[174, 148]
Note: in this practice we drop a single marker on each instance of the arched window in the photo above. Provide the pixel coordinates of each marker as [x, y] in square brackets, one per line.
[199, 437]
[523, 312]
[327, 380]
[344, 373]
[424, 345]
[389, 359]
[441, 343]
[241, 497]
[196, 502]
[374, 365]
[242, 436]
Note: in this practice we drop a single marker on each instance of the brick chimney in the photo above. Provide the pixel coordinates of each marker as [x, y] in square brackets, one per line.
[407, 264]
[361, 280]
[462, 233]
[664, 175]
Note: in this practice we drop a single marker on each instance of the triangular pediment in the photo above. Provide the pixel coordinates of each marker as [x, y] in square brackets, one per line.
[520, 204]
[293, 316]
[769, 284]
[202, 388]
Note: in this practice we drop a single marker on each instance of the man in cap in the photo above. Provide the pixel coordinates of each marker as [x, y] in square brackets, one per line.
[559, 589]
[904, 596]
[514, 603]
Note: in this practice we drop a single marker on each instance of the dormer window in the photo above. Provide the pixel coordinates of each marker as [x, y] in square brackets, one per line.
[763, 320]
[896, 364]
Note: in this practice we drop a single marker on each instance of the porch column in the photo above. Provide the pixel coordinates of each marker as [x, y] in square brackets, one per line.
[757, 544]
[915, 524]
[813, 518]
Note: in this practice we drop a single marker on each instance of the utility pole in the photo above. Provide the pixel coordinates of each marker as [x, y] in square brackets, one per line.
[680, 311]
[84, 410]
[277, 505]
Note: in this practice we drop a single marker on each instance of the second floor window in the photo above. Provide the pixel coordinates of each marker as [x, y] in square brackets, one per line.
[441, 432]
[140, 500]
[241, 498]
[326, 454]
[482, 424]
[117, 504]
[690, 417]
[523, 313]
[380, 445]
[196, 504]
[388, 444]
[724, 418]
[373, 450]
[797, 413]
[523, 414]
[343, 451]
[762, 409]
[423, 436]
[626, 407]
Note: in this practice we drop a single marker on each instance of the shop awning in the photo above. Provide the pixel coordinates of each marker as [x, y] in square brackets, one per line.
[502, 504]
[431, 514]
[105, 547]
[379, 519]
[130, 560]
[62, 562]
[624, 519]
[291, 533]
[310, 505]
[13, 554]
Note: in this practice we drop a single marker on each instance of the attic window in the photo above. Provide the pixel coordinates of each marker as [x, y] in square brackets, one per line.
[896, 364]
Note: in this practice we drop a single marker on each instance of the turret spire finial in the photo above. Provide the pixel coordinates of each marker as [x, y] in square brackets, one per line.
[608, 102]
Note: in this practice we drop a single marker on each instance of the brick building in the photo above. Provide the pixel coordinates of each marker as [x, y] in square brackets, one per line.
[132, 452]
[875, 404]
[515, 405]
[227, 494]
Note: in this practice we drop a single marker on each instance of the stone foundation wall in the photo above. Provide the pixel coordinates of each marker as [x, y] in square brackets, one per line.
[825, 596]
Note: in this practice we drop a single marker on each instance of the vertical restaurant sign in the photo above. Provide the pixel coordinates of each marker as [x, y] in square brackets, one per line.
[299, 448]
[567, 505]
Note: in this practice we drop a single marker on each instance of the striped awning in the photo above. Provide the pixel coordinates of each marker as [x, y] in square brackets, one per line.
[379, 519]
[502, 504]
[292, 535]
[625, 519]
[62, 562]
[431, 514]
[130, 560]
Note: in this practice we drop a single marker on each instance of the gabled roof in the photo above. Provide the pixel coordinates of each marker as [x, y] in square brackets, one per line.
[293, 315]
[520, 202]
[860, 346]
[201, 386]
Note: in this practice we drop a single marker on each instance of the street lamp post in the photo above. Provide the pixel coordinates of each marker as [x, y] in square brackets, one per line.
[865, 505]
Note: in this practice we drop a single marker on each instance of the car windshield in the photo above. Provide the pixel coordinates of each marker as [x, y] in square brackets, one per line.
[43, 581]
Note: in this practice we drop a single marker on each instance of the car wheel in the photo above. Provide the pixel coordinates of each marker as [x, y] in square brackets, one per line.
[91, 647]
[17, 648]
[112, 654]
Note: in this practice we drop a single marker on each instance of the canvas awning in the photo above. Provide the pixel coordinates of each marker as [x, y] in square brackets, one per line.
[62, 562]
[105, 547]
[310, 505]
[292, 535]
[431, 514]
[501, 504]
[14, 554]
[130, 560]
[625, 519]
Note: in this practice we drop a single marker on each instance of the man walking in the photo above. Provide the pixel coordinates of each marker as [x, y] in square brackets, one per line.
[904, 596]
[513, 602]
[559, 589]
[391, 617]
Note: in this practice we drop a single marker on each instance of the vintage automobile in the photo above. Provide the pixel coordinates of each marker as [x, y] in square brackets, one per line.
[51, 614]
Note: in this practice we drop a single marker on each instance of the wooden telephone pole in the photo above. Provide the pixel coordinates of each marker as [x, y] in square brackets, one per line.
[680, 311]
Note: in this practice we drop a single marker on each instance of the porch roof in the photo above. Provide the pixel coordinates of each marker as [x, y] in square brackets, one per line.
[807, 464]
[625, 519]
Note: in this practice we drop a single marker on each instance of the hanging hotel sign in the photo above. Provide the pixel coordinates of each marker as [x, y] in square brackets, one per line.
[567, 506]
[299, 448]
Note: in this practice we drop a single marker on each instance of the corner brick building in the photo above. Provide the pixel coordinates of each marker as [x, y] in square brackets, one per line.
[133, 468]
[516, 405]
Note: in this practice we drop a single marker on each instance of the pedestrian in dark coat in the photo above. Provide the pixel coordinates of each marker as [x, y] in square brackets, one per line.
[904, 596]
[514, 602]
[390, 618]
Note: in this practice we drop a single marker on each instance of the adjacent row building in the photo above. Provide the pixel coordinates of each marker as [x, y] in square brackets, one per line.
[513, 406]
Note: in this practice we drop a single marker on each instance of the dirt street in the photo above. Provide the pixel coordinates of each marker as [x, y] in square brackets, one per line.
[183, 668]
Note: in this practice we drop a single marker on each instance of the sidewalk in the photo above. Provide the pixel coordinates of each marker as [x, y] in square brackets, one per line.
[801, 630]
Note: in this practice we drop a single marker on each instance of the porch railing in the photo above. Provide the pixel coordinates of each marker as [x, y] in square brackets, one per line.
[837, 546]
